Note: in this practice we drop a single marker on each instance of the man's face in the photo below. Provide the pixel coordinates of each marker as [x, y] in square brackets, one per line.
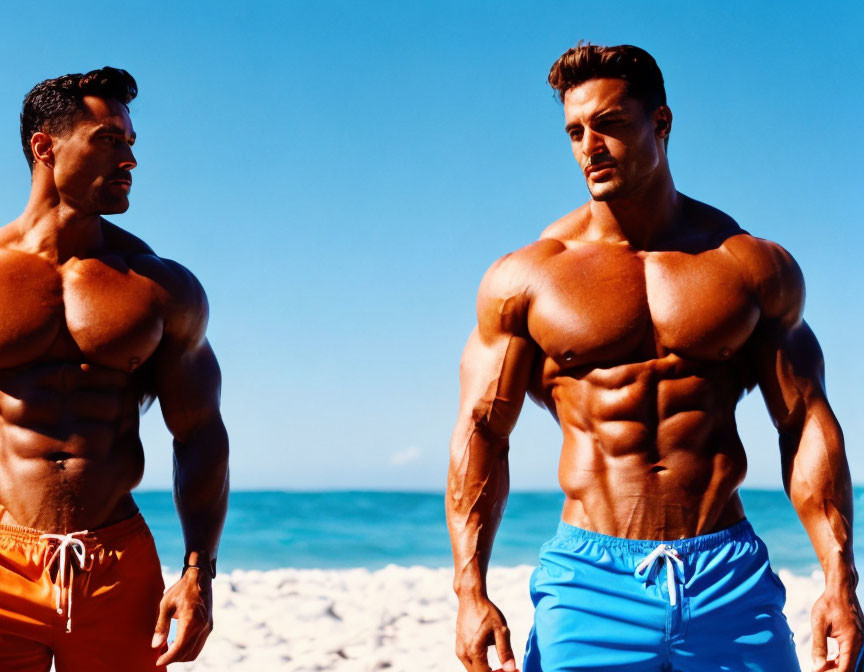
[614, 140]
[92, 161]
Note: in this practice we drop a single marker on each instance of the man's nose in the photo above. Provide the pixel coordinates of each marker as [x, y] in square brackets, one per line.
[592, 143]
[127, 161]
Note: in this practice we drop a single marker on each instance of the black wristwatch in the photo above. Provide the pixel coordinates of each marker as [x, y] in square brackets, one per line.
[208, 568]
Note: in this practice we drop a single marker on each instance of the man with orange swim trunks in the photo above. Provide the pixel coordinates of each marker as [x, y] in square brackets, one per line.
[95, 326]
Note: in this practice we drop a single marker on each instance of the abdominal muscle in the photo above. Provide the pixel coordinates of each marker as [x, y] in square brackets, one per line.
[69, 448]
[650, 457]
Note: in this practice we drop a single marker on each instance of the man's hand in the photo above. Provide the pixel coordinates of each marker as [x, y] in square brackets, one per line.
[838, 615]
[481, 624]
[190, 601]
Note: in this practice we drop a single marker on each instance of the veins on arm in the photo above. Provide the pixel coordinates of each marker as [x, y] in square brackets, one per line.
[494, 375]
[791, 375]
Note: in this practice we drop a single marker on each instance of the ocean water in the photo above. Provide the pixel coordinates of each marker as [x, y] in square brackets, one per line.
[334, 530]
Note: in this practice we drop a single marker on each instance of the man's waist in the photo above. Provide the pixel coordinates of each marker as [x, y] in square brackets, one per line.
[58, 508]
[105, 536]
[741, 529]
[652, 516]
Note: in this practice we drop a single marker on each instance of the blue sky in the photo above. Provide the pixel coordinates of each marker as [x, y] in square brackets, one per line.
[339, 175]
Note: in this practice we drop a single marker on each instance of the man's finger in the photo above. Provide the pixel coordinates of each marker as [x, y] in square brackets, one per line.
[163, 625]
[505, 651]
[195, 649]
[819, 653]
[846, 659]
[181, 643]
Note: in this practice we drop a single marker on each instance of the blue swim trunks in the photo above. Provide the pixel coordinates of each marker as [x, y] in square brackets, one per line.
[703, 604]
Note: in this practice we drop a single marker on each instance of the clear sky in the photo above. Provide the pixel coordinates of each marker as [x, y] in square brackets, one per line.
[339, 175]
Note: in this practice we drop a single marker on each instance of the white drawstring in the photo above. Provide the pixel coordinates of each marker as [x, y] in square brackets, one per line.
[79, 553]
[670, 555]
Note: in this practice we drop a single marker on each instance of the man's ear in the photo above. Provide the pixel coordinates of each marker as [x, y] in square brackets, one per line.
[662, 121]
[42, 146]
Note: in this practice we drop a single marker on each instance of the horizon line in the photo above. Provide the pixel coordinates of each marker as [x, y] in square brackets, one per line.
[418, 491]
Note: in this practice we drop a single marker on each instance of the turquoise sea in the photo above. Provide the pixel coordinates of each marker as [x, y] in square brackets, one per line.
[334, 530]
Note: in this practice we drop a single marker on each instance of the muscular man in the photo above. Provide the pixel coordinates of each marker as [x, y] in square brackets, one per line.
[639, 320]
[94, 326]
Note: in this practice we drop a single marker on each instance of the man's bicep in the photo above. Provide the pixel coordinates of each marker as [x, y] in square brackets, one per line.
[497, 362]
[188, 385]
[791, 374]
[494, 375]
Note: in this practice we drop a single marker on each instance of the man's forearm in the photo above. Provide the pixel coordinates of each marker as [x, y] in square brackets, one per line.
[477, 487]
[201, 489]
[820, 489]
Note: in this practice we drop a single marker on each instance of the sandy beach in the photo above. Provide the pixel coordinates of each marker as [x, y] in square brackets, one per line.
[396, 618]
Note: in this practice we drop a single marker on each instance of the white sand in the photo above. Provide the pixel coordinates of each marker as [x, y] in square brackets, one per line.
[396, 619]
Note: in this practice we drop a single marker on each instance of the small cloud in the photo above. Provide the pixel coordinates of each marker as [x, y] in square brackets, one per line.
[409, 454]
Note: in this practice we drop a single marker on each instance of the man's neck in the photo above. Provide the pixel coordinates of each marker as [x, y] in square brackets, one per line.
[55, 230]
[645, 219]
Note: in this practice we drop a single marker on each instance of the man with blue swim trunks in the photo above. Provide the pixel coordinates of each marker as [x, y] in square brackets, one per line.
[639, 320]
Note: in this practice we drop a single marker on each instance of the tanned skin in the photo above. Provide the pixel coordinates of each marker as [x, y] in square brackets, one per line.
[94, 325]
[639, 320]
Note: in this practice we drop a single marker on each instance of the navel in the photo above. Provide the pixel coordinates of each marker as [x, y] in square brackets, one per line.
[59, 459]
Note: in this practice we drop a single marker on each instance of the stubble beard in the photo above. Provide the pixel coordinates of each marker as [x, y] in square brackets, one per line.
[111, 204]
[606, 191]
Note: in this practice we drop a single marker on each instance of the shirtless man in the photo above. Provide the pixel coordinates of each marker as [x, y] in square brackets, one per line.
[95, 326]
[639, 320]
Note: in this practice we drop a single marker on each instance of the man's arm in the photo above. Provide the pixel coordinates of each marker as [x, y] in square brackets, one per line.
[815, 471]
[188, 386]
[494, 376]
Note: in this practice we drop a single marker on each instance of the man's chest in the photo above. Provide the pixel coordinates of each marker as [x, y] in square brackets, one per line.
[98, 309]
[606, 303]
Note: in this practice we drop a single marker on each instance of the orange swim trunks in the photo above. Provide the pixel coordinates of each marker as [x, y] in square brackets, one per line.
[87, 600]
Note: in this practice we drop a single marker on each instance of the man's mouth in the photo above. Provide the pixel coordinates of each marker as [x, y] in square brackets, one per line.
[597, 164]
[125, 182]
[595, 169]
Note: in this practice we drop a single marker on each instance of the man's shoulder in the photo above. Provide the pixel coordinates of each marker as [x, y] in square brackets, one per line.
[512, 273]
[771, 273]
[140, 256]
[506, 288]
[758, 254]
[515, 273]
[183, 292]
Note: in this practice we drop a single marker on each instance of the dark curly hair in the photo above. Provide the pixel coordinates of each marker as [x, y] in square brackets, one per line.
[590, 61]
[53, 106]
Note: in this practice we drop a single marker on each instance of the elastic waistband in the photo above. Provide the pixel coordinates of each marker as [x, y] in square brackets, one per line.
[740, 531]
[104, 536]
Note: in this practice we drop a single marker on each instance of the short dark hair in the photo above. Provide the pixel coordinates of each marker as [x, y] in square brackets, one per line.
[53, 106]
[591, 61]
